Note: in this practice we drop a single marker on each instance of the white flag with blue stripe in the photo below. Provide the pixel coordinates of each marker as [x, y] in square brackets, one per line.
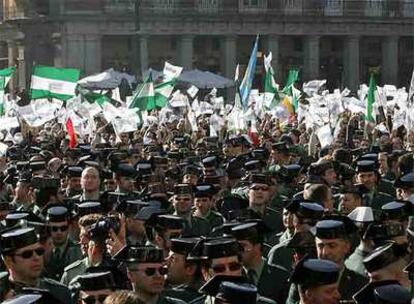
[246, 84]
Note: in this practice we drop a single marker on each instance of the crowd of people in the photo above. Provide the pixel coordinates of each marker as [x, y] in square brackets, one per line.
[166, 214]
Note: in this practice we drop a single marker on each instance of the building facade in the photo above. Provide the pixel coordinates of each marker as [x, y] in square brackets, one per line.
[340, 40]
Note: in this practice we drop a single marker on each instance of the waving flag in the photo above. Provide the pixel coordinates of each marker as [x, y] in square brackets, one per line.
[5, 76]
[54, 82]
[371, 98]
[246, 84]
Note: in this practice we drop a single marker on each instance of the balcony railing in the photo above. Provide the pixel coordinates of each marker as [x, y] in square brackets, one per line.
[19, 9]
[327, 8]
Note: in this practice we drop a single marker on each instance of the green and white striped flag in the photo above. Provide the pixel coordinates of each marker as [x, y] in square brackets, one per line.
[162, 92]
[144, 98]
[5, 76]
[51, 82]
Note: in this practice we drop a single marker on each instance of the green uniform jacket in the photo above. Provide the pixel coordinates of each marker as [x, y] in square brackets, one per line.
[214, 219]
[184, 292]
[197, 227]
[56, 265]
[282, 256]
[273, 283]
[379, 199]
[350, 283]
[57, 290]
[354, 262]
[73, 270]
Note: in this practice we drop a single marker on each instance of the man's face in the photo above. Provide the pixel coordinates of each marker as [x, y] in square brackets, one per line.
[190, 179]
[203, 204]
[369, 179]
[248, 253]
[84, 240]
[225, 266]
[349, 201]
[326, 294]
[164, 241]
[176, 268]
[382, 160]
[90, 180]
[330, 177]
[110, 184]
[275, 156]
[126, 184]
[259, 194]
[74, 183]
[183, 203]
[98, 296]
[59, 232]
[146, 277]
[334, 250]
[287, 219]
[27, 263]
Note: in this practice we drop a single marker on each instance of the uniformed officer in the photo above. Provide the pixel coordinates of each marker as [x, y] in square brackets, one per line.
[125, 176]
[135, 228]
[23, 257]
[387, 263]
[332, 240]
[94, 287]
[79, 267]
[271, 281]
[33, 296]
[184, 275]
[204, 204]
[167, 227]
[305, 216]
[259, 198]
[64, 251]
[73, 175]
[317, 281]
[90, 183]
[384, 292]
[146, 271]
[232, 290]
[362, 217]
[368, 176]
[405, 186]
[183, 202]
[280, 155]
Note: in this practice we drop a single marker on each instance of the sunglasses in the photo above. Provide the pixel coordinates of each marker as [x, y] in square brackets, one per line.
[150, 271]
[220, 268]
[27, 254]
[57, 228]
[257, 188]
[94, 299]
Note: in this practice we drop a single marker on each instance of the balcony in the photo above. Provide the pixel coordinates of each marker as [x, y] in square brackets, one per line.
[278, 8]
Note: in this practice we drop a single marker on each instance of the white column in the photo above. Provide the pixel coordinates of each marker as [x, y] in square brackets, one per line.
[185, 51]
[390, 60]
[311, 59]
[143, 53]
[351, 62]
[229, 49]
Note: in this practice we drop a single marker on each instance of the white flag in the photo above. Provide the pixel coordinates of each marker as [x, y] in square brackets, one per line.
[192, 91]
[171, 71]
